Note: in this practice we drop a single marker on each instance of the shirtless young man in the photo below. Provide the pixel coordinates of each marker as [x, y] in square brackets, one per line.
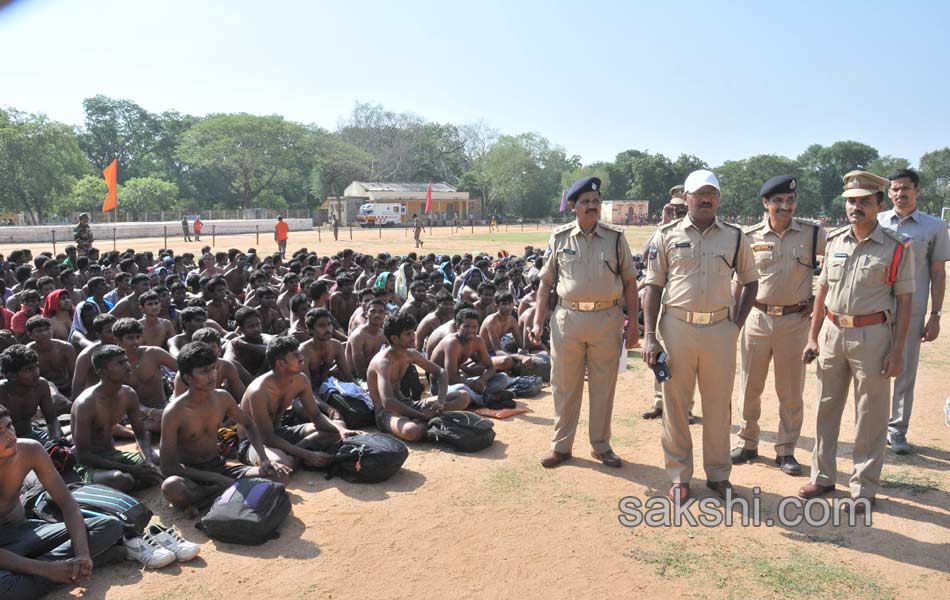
[320, 298]
[147, 363]
[445, 328]
[299, 306]
[23, 391]
[219, 307]
[526, 341]
[156, 331]
[192, 319]
[269, 396]
[291, 286]
[61, 316]
[441, 315]
[485, 305]
[367, 339]
[495, 327]
[229, 375]
[250, 345]
[343, 301]
[321, 352]
[35, 556]
[396, 414]
[84, 375]
[417, 304]
[129, 305]
[95, 414]
[57, 358]
[458, 348]
[359, 315]
[272, 322]
[194, 470]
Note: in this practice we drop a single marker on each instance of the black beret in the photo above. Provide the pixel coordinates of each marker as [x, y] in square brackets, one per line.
[584, 184]
[780, 184]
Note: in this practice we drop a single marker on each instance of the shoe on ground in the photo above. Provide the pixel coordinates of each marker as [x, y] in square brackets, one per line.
[691, 419]
[170, 539]
[860, 507]
[720, 487]
[741, 455]
[678, 492]
[553, 459]
[608, 458]
[655, 412]
[148, 552]
[789, 465]
[898, 444]
[813, 490]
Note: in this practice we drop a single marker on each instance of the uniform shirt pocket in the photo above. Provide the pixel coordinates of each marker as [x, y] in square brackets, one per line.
[835, 268]
[566, 262]
[871, 270]
[683, 260]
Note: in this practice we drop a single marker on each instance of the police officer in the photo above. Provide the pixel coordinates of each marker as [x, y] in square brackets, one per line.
[675, 209]
[785, 250]
[691, 264]
[864, 292]
[590, 266]
[931, 251]
[82, 235]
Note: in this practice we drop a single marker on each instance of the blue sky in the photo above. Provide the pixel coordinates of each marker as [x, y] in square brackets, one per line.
[720, 80]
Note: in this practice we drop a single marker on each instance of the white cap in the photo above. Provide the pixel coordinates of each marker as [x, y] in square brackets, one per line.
[698, 179]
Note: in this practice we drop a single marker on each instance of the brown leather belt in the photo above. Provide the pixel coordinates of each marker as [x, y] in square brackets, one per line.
[849, 321]
[777, 310]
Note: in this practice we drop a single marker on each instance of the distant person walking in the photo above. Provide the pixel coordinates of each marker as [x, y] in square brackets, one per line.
[336, 227]
[184, 228]
[198, 226]
[417, 229]
[280, 234]
[455, 224]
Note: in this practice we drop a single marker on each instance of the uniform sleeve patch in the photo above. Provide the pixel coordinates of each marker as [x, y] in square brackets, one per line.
[684, 245]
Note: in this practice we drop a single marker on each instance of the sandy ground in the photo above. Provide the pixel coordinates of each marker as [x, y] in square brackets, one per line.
[497, 525]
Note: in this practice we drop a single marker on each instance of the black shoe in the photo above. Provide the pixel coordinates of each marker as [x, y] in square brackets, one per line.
[742, 455]
[691, 419]
[655, 412]
[789, 465]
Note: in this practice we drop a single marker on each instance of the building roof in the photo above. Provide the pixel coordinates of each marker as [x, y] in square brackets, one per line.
[377, 186]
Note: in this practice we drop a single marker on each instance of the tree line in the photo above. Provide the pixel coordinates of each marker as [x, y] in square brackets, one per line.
[173, 161]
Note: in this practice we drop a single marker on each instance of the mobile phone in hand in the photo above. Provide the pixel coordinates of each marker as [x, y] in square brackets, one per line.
[661, 369]
[810, 356]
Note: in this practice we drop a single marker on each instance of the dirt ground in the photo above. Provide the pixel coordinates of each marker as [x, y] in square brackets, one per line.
[496, 525]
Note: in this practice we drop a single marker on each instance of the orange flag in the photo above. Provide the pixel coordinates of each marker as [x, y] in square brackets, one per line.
[110, 173]
[429, 198]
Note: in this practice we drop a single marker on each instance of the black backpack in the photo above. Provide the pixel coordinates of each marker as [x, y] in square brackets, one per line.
[355, 412]
[410, 386]
[248, 512]
[465, 431]
[367, 458]
[526, 386]
[94, 500]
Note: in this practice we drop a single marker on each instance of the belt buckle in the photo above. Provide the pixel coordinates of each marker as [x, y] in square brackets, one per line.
[587, 306]
[846, 321]
[775, 310]
[701, 318]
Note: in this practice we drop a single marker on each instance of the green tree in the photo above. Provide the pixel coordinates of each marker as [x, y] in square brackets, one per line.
[87, 195]
[648, 177]
[742, 180]
[40, 161]
[885, 165]
[147, 194]
[117, 128]
[935, 181]
[336, 164]
[822, 169]
[252, 153]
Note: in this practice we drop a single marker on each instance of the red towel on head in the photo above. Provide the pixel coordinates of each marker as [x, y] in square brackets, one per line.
[52, 304]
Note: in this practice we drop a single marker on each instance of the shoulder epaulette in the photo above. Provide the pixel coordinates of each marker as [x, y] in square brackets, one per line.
[900, 238]
[611, 226]
[736, 227]
[836, 232]
[669, 225]
[563, 228]
[808, 222]
[752, 228]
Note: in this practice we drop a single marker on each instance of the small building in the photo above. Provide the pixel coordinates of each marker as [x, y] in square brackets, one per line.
[397, 202]
[626, 212]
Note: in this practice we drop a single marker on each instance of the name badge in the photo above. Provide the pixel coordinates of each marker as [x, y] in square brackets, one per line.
[841, 255]
[759, 247]
[569, 251]
[684, 245]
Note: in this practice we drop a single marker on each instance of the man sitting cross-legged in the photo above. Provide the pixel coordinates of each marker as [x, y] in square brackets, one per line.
[95, 414]
[366, 341]
[192, 319]
[395, 413]
[321, 352]
[465, 350]
[359, 315]
[228, 373]
[250, 345]
[23, 391]
[266, 400]
[441, 315]
[57, 358]
[417, 305]
[156, 331]
[35, 555]
[495, 327]
[194, 470]
[84, 375]
[445, 328]
[147, 377]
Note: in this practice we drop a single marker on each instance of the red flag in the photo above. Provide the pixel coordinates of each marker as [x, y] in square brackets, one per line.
[429, 199]
[110, 173]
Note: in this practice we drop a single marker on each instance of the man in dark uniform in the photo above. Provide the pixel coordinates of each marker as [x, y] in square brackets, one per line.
[82, 235]
[590, 266]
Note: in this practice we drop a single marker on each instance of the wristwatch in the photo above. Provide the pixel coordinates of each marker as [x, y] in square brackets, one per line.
[936, 313]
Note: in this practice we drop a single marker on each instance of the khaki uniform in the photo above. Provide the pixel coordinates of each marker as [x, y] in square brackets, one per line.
[785, 280]
[695, 269]
[588, 336]
[857, 274]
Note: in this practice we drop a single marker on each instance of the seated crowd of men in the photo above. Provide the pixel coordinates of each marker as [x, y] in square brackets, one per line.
[163, 351]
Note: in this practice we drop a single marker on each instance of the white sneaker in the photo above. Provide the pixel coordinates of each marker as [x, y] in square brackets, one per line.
[170, 539]
[148, 552]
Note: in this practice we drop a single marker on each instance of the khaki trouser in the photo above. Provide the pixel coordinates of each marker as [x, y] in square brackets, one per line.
[903, 399]
[852, 355]
[591, 342]
[703, 353]
[783, 338]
